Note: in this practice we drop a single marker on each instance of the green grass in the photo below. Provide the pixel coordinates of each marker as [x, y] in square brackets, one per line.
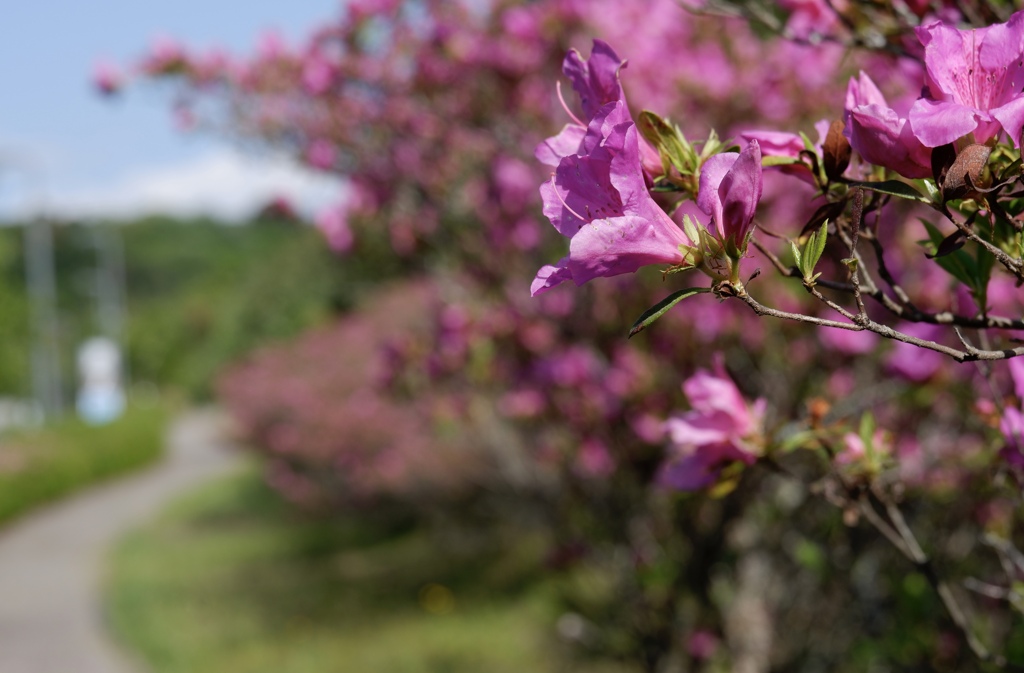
[229, 580]
[38, 466]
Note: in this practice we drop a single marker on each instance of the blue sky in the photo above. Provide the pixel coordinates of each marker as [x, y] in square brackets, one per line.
[63, 146]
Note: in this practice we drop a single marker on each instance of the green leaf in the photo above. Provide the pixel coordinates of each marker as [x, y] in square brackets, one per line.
[1011, 171]
[767, 162]
[796, 255]
[893, 188]
[690, 229]
[662, 307]
[813, 250]
[932, 190]
[808, 145]
[958, 264]
[667, 139]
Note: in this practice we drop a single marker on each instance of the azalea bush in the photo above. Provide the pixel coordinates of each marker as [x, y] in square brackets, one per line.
[815, 395]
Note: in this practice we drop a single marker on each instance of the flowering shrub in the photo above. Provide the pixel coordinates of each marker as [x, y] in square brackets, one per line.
[894, 238]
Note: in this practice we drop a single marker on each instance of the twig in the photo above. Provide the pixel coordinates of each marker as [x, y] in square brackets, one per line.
[855, 219]
[925, 567]
[1012, 265]
[727, 289]
[904, 308]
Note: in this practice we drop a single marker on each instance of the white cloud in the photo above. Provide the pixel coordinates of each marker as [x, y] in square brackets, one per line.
[223, 183]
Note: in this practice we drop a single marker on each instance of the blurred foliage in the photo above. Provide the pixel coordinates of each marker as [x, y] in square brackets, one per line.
[37, 466]
[14, 307]
[200, 293]
[233, 579]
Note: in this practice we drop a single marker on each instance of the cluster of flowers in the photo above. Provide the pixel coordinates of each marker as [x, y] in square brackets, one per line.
[319, 411]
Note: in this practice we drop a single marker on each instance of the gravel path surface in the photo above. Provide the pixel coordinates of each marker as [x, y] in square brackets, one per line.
[51, 561]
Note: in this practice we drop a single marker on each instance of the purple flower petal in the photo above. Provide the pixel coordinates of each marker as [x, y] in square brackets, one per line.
[1011, 118]
[740, 192]
[938, 123]
[711, 175]
[730, 188]
[862, 91]
[550, 276]
[595, 80]
[623, 244]
[973, 73]
[882, 138]
[776, 143]
[567, 142]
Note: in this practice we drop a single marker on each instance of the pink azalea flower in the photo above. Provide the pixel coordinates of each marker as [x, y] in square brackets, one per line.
[596, 80]
[879, 135]
[730, 188]
[789, 145]
[976, 79]
[599, 199]
[719, 429]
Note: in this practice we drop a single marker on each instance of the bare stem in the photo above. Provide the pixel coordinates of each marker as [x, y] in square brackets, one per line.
[970, 355]
[913, 551]
[856, 220]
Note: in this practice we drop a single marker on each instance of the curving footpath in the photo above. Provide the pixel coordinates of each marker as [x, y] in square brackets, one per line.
[51, 561]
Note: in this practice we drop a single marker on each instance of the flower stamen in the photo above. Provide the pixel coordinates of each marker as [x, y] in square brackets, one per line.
[564, 204]
[565, 106]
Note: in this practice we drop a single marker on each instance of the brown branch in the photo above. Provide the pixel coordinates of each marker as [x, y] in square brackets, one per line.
[726, 290]
[904, 308]
[1014, 266]
[913, 551]
[856, 220]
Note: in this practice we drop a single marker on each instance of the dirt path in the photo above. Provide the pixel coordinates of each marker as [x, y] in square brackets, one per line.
[51, 561]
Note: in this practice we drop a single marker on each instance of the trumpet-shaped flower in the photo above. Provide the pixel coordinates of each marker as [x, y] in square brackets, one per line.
[976, 79]
[596, 81]
[730, 188]
[721, 428]
[879, 135]
[598, 198]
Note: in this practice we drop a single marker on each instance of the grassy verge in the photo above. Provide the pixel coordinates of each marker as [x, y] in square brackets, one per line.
[41, 465]
[230, 580]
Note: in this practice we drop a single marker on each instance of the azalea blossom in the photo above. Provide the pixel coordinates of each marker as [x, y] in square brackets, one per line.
[879, 135]
[730, 188]
[596, 82]
[790, 146]
[598, 196]
[975, 84]
[721, 428]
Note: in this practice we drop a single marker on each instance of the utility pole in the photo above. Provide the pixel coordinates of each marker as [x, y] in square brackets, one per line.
[40, 277]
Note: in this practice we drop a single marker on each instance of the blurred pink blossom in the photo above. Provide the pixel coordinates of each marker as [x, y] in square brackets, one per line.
[720, 428]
